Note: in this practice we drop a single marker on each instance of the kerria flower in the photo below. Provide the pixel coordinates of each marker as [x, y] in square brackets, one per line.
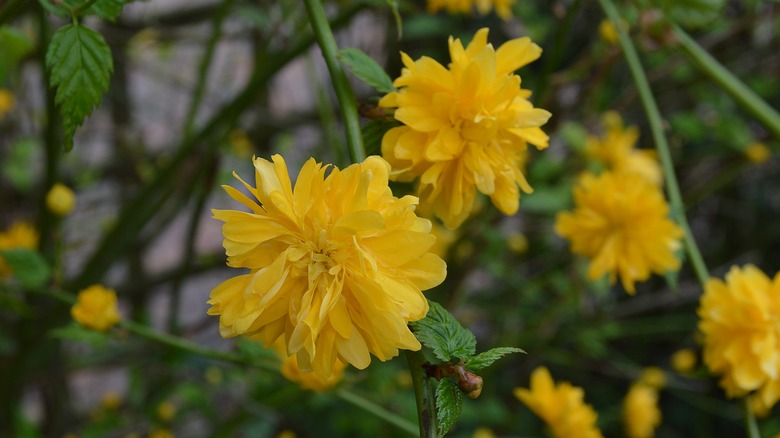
[641, 415]
[620, 223]
[466, 127]
[7, 102]
[503, 7]
[19, 235]
[757, 153]
[616, 150]
[740, 322]
[96, 308]
[60, 199]
[561, 406]
[307, 379]
[337, 264]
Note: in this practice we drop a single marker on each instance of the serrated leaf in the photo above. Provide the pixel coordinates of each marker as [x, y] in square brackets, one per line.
[13, 47]
[486, 358]
[79, 62]
[449, 404]
[373, 132]
[77, 333]
[693, 13]
[28, 266]
[107, 9]
[55, 8]
[442, 333]
[366, 69]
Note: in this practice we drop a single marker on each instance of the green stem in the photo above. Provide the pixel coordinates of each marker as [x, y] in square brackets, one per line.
[750, 420]
[654, 119]
[743, 95]
[426, 403]
[373, 408]
[181, 344]
[330, 51]
[205, 63]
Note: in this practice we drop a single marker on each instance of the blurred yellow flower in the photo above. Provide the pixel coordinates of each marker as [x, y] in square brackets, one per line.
[239, 142]
[616, 151]
[560, 406]
[60, 200]
[483, 432]
[96, 308]
[445, 237]
[608, 32]
[20, 234]
[286, 433]
[620, 223]
[326, 270]
[641, 415]
[306, 379]
[111, 401]
[166, 410]
[466, 127]
[503, 7]
[160, 433]
[758, 153]
[739, 319]
[653, 377]
[7, 102]
[517, 242]
[684, 360]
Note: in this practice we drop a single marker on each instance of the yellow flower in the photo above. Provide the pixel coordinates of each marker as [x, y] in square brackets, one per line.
[7, 102]
[641, 415]
[445, 237]
[60, 200]
[160, 433]
[111, 401]
[560, 406]
[653, 377]
[240, 144]
[517, 242]
[620, 223]
[306, 379]
[326, 269]
[503, 7]
[466, 128]
[483, 432]
[96, 308]
[757, 153]
[19, 235]
[684, 360]
[739, 320]
[608, 32]
[616, 150]
[166, 411]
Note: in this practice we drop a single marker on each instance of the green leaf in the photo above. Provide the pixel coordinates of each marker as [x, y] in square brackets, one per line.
[449, 403]
[79, 62]
[28, 266]
[107, 9]
[693, 13]
[442, 333]
[55, 8]
[13, 47]
[366, 69]
[486, 358]
[373, 132]
[76, 333]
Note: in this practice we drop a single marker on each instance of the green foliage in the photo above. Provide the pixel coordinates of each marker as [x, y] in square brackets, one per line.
[80, 64]
[76, 333]
[366, 69]
[105, 9]
[444, 335]
[486, 358]
[28, 266]
[13, 47]
[18, 162]
[693, 13]
[449, 404]
[373, 131]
